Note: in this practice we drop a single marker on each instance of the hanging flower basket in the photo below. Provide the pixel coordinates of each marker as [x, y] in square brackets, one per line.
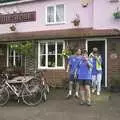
[12, 28]
[66, 53]
[76, 21]
[116, 15]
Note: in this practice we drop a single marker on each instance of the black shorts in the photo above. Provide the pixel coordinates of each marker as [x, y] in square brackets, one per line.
[85, 82]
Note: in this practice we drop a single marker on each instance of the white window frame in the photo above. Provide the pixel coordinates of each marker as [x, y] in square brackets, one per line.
[14, 57]
[55, 22]
[46, 67]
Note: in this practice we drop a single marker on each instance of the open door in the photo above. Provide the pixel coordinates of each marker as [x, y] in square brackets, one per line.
[102, 49]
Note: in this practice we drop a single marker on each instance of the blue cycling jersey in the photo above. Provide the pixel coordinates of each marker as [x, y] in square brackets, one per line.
[84, 70]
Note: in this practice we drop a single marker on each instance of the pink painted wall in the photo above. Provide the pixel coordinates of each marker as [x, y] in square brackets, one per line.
[97, 14]
[72, 7]
[103, 15]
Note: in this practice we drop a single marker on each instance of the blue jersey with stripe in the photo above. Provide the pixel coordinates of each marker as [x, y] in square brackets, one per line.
[84, 69]
[73, 63]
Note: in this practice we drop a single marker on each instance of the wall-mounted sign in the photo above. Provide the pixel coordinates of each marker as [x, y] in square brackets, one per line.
[18, 17]
[113, 56]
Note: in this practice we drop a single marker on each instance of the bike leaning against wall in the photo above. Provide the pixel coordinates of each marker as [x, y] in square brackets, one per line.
[40, 80]
[30, 93]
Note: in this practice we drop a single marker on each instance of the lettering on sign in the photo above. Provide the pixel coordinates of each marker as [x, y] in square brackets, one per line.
[18, 17]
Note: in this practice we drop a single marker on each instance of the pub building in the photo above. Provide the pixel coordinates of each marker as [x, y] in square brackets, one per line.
[56, 25]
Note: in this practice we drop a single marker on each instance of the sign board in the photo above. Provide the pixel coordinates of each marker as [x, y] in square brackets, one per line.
[18, 17]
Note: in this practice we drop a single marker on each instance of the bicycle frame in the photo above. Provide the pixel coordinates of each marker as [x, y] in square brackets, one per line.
[28, 92]
[12, 89]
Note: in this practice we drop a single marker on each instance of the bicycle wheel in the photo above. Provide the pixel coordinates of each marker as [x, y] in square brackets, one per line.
[44, 95]
[4, 96]
[47, 88]
[32, 96]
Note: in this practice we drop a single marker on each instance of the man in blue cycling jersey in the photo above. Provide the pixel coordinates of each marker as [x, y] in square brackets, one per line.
[85, 78]
[71, 68]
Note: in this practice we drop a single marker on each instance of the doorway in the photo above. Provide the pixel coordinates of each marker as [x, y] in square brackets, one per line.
[102, 47]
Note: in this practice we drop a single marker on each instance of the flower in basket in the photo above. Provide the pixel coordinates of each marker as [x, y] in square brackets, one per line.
[117, 14]
[12, 27]
[76, 21]
[66, 53]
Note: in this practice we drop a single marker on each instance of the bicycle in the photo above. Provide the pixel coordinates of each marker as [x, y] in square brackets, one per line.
[40, 79]
[30, 94]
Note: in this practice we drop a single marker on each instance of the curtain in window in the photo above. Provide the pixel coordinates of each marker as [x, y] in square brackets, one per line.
[42, 54]
[50, 14]
[59, 13]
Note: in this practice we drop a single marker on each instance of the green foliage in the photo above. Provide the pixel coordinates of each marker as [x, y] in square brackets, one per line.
[66, 53]
[24, 48]
[116, 15]
[4, 1]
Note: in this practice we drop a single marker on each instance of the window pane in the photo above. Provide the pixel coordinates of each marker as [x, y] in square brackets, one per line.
[51, 48]
[51, 60]
[59, 47]
[10, 52]
[42, 48]
[18, 61]
[17, 57]
[50, 14]
[42, 60]
[60, 13]
[10, 61]
[59, 60]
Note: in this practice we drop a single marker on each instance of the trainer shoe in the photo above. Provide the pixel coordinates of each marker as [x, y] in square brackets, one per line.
[88, 103]
[82, 102]
[76, 95]
[68, 96]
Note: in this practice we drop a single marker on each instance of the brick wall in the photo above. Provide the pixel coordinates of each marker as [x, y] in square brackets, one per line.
[113, 63]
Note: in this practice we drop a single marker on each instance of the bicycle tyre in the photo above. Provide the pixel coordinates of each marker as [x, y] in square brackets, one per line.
[47, 88]
[4, 96]
[44, 95]
[30, 98]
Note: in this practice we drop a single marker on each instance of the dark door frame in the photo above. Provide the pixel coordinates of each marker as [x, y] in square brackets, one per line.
[105, 41]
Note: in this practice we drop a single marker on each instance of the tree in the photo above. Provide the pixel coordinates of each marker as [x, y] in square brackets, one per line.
[24, 48]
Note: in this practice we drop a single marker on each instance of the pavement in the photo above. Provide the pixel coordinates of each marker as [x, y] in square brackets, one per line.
[105, 107]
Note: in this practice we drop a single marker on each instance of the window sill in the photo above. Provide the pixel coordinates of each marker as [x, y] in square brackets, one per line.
[52, 68]
[56, 23]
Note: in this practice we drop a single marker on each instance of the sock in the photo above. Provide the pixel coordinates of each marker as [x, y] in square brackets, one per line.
[70, 92]
[76, 93]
